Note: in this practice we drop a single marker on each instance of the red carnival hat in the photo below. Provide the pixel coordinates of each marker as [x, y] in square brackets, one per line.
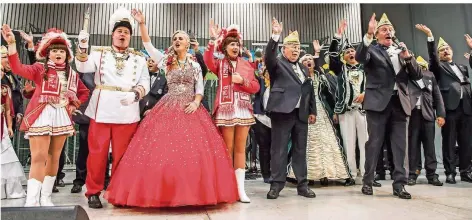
[53, 36]
[231, 31]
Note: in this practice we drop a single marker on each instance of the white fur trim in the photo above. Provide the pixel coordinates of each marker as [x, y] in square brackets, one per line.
[50, 36]
[120, 14]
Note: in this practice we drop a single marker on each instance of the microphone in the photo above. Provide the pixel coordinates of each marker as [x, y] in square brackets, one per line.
[397, 43]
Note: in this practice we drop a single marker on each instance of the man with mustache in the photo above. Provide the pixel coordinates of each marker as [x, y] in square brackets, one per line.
[454, 83]
[121, 79]
[388, 70]
[292, 106]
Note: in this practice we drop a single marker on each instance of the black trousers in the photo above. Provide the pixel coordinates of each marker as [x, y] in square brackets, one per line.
[81, 162]
[284, 126]
[62, 160]
[394, 118]
[458, 128]
[263, 139]
[421, 131]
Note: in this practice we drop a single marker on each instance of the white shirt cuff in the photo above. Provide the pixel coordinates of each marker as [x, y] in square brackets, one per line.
[337, 36]
[367, 41]
[431, 39]
[276, 37]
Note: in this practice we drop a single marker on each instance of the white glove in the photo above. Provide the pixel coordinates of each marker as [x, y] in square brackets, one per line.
[83, 39]
[128, 99]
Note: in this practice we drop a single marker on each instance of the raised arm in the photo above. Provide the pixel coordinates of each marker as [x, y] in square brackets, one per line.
[272, 47]
[208, 54]
[468, 39]
[362, 51]
[432, 51]
[335, 63]
[155, 54]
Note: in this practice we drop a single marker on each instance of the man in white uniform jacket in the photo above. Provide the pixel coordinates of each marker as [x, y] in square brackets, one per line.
[122, 79]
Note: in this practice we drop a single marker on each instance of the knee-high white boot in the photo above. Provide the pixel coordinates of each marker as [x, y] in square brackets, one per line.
[240, 177]
[32, 192]
[46, 191]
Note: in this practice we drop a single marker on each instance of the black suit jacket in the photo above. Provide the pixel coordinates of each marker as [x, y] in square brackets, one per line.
[16, 95]
[431, 97]
[286, 87]
[381, 78]
[449, 84]
[88, 80]
[157, 90]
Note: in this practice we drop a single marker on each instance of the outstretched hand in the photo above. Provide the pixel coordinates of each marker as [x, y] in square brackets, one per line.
[277, 27]
[7, 34]
[372, 26]
[138, 16]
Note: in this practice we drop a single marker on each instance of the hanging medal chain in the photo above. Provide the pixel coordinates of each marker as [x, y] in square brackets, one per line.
[120, 61]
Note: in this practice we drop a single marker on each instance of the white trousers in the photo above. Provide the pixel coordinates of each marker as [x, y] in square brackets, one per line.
[353, 126]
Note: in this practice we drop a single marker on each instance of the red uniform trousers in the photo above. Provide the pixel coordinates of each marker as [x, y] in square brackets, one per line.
[100, 135]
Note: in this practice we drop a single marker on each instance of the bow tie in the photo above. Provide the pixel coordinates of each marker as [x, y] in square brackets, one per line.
[452, 63]
[152, 74]
[383, 47]
[352, 67]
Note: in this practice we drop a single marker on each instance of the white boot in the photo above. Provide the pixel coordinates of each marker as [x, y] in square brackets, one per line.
[46, 191]
[32, 193]
[240, 177]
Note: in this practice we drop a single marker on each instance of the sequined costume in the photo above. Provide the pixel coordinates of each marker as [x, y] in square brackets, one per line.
[12, 171]
[325, 156]
[175, 159]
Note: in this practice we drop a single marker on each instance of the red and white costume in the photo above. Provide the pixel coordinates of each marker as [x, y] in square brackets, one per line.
[111, 121]
[47, 113]
[233, 101]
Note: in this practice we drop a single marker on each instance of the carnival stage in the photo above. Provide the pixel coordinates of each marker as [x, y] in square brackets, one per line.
[333, 202]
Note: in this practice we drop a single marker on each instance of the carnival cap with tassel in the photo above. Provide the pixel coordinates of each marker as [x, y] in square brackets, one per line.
[442, 43]
[422, 62]
[383, 21]
[292, 38]
[53, 36]
[121, 18]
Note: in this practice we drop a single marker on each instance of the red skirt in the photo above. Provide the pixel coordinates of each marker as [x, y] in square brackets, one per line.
[174, 159]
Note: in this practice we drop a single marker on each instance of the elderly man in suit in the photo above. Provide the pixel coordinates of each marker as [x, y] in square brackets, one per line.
[292, 106]
[454, 84]
[428, 107]
[388, 70]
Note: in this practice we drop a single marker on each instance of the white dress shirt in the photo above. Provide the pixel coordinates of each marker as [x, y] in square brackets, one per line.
[393, 52]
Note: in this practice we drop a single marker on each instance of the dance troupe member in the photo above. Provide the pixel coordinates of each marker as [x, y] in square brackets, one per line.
[121, 79]
[12, 171]
[47, 121]
[236, 82]
[184, 156]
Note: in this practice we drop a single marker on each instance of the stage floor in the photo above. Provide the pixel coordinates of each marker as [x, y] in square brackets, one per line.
[332, 202]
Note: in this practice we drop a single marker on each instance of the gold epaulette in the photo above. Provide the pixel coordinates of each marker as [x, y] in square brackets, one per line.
[102, 49]
[137, 53]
